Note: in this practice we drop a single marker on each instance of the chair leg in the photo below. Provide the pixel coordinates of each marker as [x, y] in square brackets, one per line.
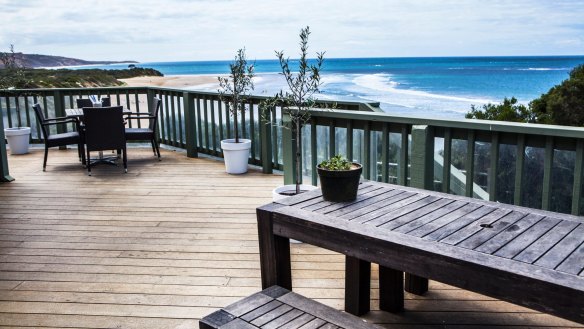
[125, 159]
[46, 155]
[88, 162]
[157, 148]
[81, 150]
[153, 147]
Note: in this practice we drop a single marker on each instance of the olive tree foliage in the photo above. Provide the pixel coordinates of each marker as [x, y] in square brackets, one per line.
[13, 76]
[298, 98]
[236, 88]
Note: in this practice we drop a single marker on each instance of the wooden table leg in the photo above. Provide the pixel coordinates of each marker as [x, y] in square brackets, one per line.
[274, 253]
[416, 284]
[357, 285]
[391, 289]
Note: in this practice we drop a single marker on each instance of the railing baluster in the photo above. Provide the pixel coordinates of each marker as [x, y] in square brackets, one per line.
[275, 144]
[173, 112]
[205, 110]
[385, 153]
[220, 110]
[168, 118]
[446, 162]
[265, 140]
[547, 173]
[213, 127]
[137, 106]
[350, 140]
[494, 167]
[578, 181]
[313, 151]
[519, 164]
[367, 150]
[403, 157]
[199, 123]
[332, 139]
[162, 119]
[469, 163]
[252, 136]
[180, 114]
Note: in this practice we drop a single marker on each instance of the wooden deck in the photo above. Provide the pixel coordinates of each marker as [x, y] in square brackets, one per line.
[168, 243]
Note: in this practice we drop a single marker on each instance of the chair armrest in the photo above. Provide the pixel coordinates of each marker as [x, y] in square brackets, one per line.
[134, 116]
[55, 121]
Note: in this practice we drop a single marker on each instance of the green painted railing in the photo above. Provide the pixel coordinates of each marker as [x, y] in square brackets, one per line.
[538, 166]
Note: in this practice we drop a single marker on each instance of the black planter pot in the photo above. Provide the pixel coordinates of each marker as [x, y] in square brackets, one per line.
[340, 186]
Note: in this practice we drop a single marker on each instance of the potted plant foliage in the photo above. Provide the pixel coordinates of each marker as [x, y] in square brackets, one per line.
[298, 100]
[339, 179]
[234, 91]
[13, 77]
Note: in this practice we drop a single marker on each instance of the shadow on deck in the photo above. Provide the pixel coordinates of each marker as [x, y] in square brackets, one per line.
[166, 244]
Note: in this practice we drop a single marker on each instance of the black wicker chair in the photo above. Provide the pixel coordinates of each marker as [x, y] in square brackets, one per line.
[142, 134]
[105, 101]
[104, 130]
[62, 139]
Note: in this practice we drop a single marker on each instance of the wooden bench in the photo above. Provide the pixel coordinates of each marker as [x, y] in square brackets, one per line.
[525, 256]
[276, 307]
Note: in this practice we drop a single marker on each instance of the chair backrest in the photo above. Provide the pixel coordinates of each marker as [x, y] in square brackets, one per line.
[156, 106]
[38, 111]
[104, 128]
[105, 101]
[84, 102]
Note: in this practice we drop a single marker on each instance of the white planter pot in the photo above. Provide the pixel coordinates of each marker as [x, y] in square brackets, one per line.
[18, 139]
[285, 191]
[236, 155]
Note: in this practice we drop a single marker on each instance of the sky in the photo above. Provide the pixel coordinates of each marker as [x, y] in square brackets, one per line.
[185, 30]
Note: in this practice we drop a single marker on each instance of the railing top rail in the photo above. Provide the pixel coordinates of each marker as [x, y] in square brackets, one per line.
[474, 124]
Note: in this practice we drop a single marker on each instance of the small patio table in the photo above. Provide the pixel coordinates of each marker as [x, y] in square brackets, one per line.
[525, 256]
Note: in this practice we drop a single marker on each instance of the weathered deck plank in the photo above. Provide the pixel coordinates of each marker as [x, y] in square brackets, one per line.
[169, 242]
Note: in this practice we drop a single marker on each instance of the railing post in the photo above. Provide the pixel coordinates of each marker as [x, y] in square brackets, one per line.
[59, 103]
[4, 174]
[190, 125]
[266, 139]
[422, 175]
[288, 149]
[150, 94]
[422, 170]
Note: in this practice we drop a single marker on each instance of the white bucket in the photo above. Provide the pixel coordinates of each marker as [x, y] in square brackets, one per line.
[236, 155]
[18, 139]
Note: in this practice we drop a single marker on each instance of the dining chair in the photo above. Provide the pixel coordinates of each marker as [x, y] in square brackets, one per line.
[141, 134]
[104, 130]
[84, 102]
[62, 139]
[105, 101]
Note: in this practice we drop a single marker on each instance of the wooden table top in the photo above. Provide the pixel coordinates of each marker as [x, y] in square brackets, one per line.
[454, 225]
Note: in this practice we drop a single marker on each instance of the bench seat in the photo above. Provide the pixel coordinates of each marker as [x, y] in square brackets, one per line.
[276, 307]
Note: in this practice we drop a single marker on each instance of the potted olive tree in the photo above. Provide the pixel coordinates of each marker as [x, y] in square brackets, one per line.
[339, 179]
[234, 91]
[297, 100]
[13, 77]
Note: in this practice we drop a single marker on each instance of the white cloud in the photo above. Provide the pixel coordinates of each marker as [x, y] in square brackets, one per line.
[147, 30]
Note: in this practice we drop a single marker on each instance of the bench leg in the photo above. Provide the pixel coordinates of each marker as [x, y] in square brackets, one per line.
[416, 284]
[357, 285]
[274, 254]
[391, 289]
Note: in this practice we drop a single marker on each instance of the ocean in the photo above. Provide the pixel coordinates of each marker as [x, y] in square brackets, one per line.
[443, 87]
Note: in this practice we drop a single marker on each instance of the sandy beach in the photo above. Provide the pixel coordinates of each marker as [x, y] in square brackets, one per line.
[172, 81]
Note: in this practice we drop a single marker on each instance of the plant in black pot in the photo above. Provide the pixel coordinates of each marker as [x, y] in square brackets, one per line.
[339, 179]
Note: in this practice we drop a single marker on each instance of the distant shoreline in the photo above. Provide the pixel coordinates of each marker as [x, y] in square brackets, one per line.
[184, 81]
